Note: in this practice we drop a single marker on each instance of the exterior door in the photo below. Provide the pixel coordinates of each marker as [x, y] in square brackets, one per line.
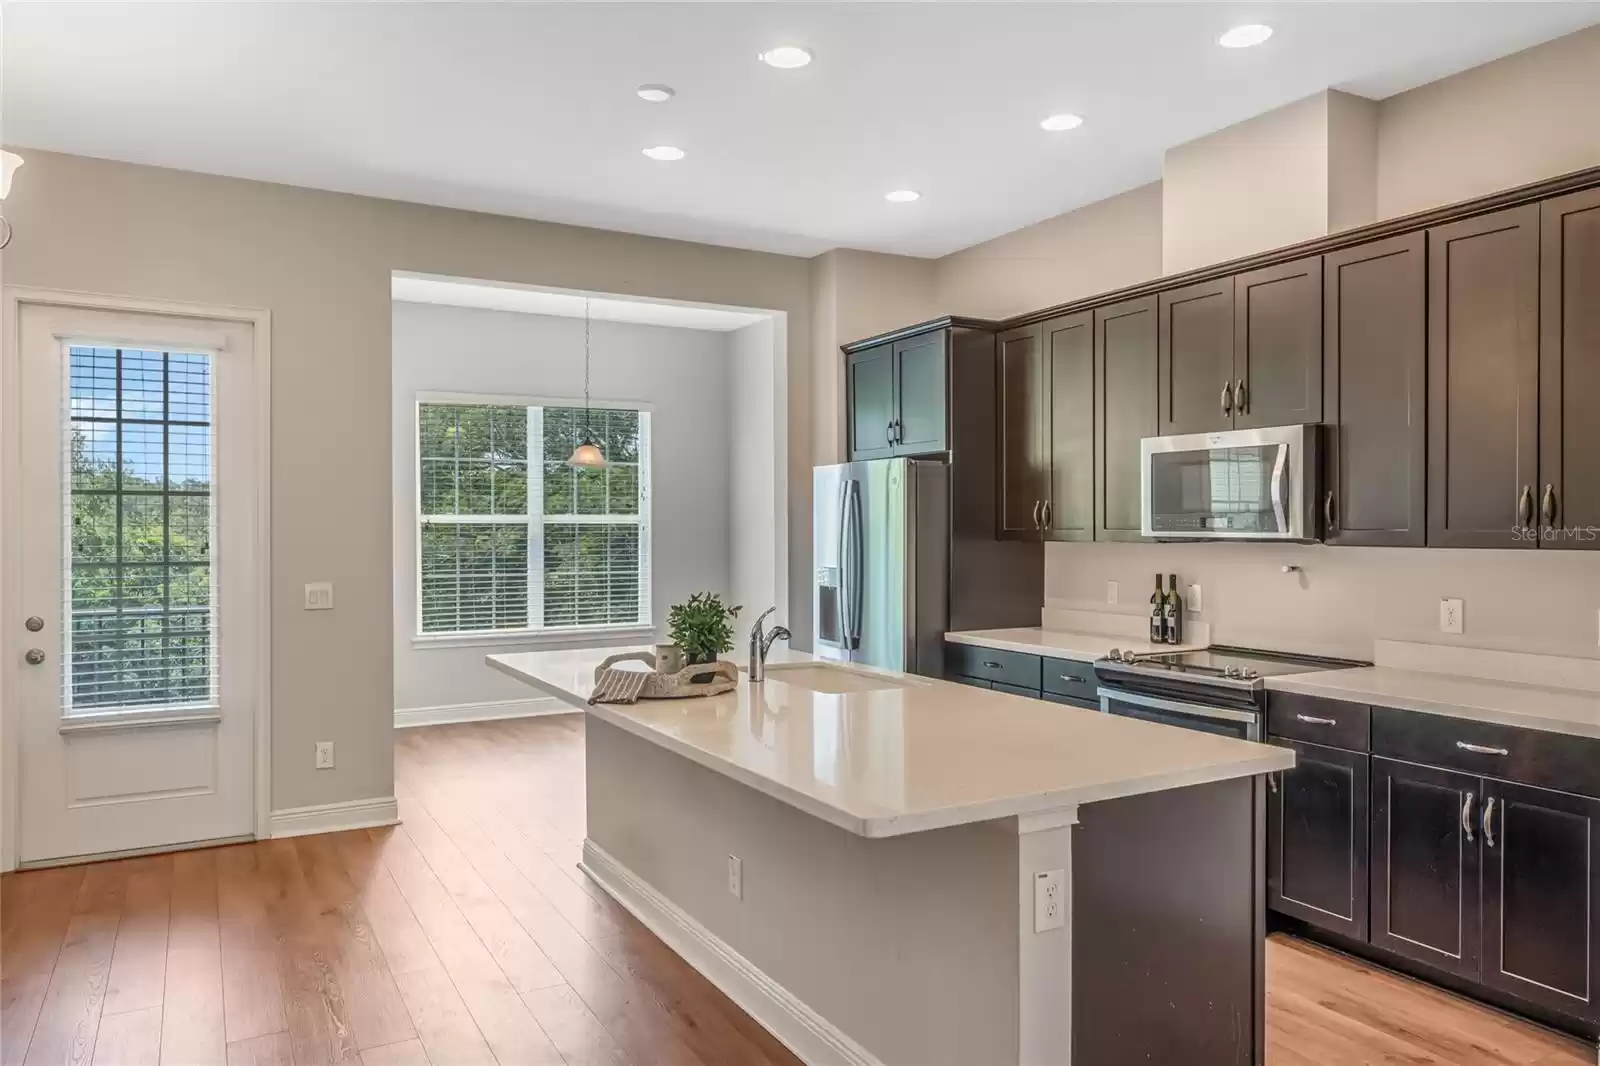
[1125, 412]
[1196, 372]
[1483, 381]
[1375, 375]
[1022, 398]
[138, 556]
[1068, 417]
[871, 406]
[1425, 864]
[1541, 939]
[1277, 359]
[919, 390]
[1569, 372]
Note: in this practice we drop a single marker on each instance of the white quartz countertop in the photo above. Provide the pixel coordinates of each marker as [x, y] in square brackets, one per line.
[1556, 710]
[882, 754]
[1056, 644]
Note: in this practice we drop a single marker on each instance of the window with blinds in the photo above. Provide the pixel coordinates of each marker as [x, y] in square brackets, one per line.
[141, 601]
[513, 538]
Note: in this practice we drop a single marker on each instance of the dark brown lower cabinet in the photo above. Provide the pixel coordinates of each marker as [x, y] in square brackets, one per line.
[1426, 865]
[1317, 855]
[1541, 896]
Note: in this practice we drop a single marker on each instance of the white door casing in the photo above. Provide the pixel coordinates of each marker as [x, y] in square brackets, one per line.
[132, 772]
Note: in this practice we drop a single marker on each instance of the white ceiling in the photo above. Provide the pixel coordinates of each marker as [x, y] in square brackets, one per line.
[529, 109]
[418, 289]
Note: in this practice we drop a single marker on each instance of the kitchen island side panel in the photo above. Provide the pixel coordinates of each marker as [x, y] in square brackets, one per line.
[908, 945]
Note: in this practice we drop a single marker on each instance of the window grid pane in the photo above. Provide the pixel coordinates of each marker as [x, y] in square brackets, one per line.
[141, 606]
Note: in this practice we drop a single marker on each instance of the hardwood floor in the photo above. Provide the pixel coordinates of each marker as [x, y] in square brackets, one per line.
[468, 936]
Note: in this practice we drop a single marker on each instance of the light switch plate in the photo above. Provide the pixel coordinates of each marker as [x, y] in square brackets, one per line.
[324, 755]
[1111, 592]
[319, 596]
[1450, 616]
[1049, 902]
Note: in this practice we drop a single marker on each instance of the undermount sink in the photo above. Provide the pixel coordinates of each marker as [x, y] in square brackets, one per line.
[829, 679]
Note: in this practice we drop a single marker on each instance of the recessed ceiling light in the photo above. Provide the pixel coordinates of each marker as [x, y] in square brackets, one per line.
[657, 94]
[786, 56]
[1056, 123]
[664, 152]
[1247, 36]
[902, 196]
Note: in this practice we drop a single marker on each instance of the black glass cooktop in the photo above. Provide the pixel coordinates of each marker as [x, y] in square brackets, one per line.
[1247, 664]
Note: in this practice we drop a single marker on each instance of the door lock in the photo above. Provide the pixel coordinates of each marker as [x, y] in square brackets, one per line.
[35, 656]
[34, 624]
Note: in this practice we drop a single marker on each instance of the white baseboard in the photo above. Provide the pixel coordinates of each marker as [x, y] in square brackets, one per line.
[805, 1032]
[447, 714]
[333, 817]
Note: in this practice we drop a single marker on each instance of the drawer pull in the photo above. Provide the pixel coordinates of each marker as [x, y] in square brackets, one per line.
[1074, 680]
[991, 665]
[1481, 749]
[1311, 719]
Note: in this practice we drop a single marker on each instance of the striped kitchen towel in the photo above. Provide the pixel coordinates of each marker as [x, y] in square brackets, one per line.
[619, 686]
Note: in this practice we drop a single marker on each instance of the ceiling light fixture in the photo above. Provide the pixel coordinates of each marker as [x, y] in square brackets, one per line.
[1057, 123]
[666, 153]
[657, 94]
[587, 455]
[902, 196]
[1247, 36]
[787, 57]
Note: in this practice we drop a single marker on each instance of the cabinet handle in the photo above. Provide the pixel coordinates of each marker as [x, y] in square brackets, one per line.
[1047, 509]
[1272, 783]
[899, 431]
[1036, 524]
[1466, 815]
[1327, 511]
[1525, 506]
[888, 433]
[1311, 719]
[1227, 398]
[1549, 506]
[1241, 397]
[1481, 749]
[990, 665]
[1488, 821]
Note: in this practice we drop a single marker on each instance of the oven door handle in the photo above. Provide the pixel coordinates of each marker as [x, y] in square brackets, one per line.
[1188, 710]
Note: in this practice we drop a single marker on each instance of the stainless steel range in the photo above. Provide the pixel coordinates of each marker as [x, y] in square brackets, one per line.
[1218, 690]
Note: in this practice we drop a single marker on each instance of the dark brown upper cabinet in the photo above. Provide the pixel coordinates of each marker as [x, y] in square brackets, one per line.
[1375, 373]
[919, 387]
[1277, 338]
[1483, 380]
[1125, 377]
[870, 408]
[1024, 411]
[1070, 436]
[1195, 371]
[1569, 372]
[895, 397]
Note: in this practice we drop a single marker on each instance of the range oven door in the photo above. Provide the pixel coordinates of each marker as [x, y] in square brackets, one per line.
[1224, 721]
[1248, 484]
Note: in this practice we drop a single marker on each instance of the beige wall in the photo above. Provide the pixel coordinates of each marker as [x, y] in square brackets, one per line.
[320, 263]
[1106, 245]
[1528, 116]
[939, 985]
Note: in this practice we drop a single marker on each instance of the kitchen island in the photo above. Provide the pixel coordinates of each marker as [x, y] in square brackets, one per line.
[891, 869]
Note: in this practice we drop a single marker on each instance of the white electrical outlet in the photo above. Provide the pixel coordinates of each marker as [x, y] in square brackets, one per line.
[1450, 612]
[1049, 906]
[1111, 592]
[324, 755]
[1191, 599]
[735, 877]
[319, 596]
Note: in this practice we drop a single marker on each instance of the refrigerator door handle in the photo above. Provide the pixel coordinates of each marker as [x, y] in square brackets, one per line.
[857, 547]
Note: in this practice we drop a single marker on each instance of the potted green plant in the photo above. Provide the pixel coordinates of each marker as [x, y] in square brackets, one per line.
[703, 627]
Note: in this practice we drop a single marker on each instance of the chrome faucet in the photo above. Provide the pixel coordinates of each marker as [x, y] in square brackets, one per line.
[761, 643]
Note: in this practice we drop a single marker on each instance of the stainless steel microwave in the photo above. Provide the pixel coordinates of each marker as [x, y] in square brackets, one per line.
[1242, 484]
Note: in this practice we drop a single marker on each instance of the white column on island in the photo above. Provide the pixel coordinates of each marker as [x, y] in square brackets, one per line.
[1044, 960]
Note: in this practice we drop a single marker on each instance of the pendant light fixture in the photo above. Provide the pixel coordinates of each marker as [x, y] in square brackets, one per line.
[587, 455]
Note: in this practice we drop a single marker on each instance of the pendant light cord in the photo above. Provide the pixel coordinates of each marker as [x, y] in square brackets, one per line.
[588, 419]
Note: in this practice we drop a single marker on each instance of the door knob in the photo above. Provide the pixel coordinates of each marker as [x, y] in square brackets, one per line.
[34, 624]
[35, 656]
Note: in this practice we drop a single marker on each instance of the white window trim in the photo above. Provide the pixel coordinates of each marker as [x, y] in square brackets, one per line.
[541, 636]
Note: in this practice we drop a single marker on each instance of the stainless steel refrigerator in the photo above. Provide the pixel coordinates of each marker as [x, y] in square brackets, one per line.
[881, 545]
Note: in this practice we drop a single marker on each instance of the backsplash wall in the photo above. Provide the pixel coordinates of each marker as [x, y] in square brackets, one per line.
[1538, 601]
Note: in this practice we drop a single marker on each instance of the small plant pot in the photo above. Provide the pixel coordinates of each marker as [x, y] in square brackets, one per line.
[705, 678]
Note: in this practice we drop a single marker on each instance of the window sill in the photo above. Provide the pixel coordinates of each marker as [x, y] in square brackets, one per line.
[537, 638]
[155, 718]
